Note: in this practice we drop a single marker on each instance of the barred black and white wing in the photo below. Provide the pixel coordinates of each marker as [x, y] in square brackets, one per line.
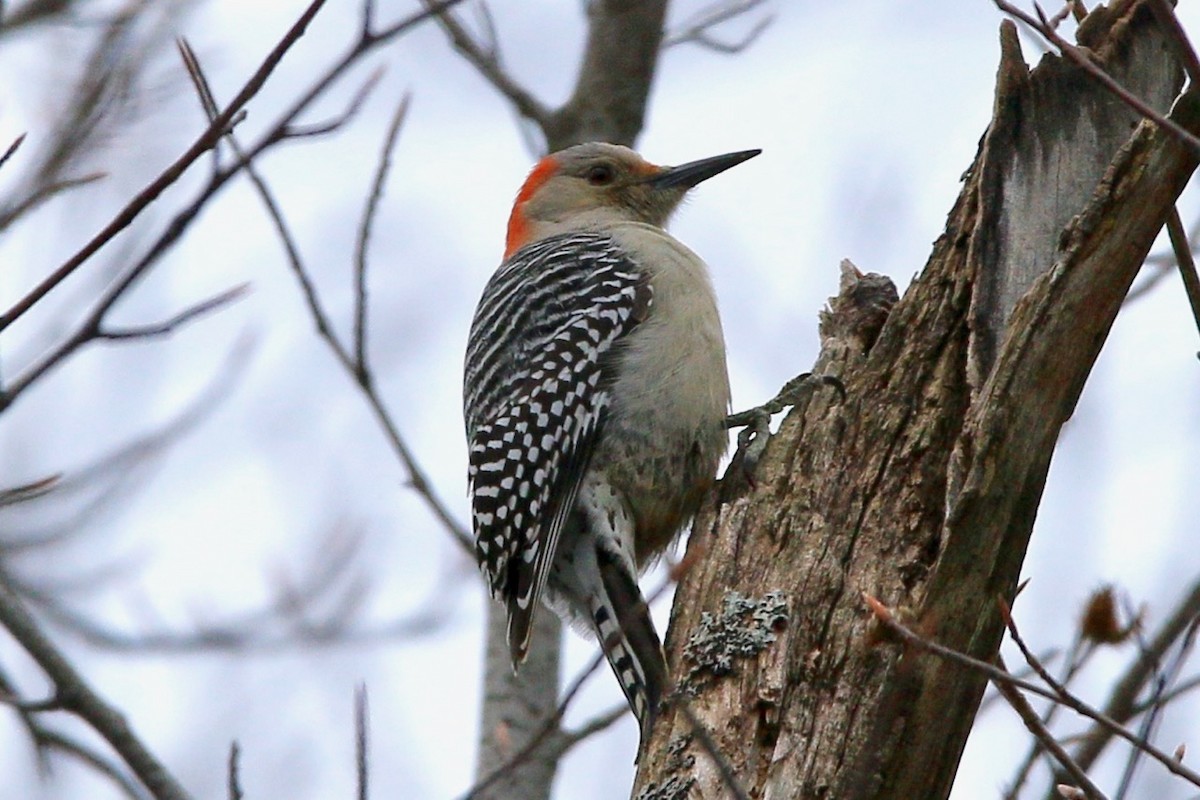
[534, 398]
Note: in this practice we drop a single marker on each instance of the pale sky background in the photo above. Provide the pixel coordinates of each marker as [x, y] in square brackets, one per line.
[867, 112]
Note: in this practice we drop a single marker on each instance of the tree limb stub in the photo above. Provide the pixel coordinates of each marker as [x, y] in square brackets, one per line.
[921, 488]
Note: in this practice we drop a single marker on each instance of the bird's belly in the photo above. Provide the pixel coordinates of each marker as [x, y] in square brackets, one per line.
[662, 482]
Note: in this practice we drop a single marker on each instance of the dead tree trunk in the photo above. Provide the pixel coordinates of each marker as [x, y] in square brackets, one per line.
[922, 485]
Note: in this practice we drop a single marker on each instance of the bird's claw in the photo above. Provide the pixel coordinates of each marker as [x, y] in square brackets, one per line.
[756, 422]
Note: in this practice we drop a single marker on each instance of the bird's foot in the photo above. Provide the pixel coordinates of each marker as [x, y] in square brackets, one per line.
[756, 422]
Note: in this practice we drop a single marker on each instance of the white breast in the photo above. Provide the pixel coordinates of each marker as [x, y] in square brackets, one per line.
[672, 366]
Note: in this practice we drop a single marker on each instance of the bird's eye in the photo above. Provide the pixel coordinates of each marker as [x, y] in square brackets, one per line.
[600, 175]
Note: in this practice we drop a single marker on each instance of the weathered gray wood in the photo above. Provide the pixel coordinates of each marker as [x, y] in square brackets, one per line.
[515, 708]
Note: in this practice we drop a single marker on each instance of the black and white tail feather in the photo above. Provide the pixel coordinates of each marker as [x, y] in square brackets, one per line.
[594, 587]
[535, 400]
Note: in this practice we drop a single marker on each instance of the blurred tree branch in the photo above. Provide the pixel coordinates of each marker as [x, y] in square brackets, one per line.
[206, 141]
[1122, 704]
[72, 693]
[1050, 689]
[292, 612]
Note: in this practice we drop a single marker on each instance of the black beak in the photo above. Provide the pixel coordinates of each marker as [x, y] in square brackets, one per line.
[692, 173]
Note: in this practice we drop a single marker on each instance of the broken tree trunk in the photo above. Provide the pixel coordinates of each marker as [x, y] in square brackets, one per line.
[922, 485]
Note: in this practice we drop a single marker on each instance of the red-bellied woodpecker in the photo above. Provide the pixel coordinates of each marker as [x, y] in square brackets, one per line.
[595, 395]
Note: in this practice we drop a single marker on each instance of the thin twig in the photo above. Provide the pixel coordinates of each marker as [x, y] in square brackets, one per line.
[45, 193]
[12, 148]
[1058, 16]
[1122, 702]
[1030, 659]
[168, 326]
[361, 731]
[542, 734]
[77, 696]
[357, 101]
[68, 746]
[1047, 741]
[144, 198]
[697, 30]
[28, 491]
[1076, 55]
[364, 237]
[1187, 264]
[233, 779]
[417, 477]
[87, 330]
[1060, 695]
[1168, 677]
[1027, 714]
[597, 724]
[1079, 654]
[1170, 695]
[489, 67]
[276, 133]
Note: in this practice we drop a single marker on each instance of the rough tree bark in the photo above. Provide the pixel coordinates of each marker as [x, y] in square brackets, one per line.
[922, 485]
[607, 104]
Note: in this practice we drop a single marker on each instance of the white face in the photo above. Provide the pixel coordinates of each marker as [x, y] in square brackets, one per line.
[602, 181]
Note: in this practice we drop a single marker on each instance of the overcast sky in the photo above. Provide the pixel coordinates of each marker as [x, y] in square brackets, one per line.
[867, 113]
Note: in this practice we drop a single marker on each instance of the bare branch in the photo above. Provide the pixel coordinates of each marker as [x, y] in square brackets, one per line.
[28, 491]
[85, 332]
[62, 743]
[1079, 654]
[364, 237]
[608, 102]
[1162, 683]
[541, 736]
[597, 724]
[1059, 695]
[361, 730]
[1030, 718]
[102, 90]
[1187, 265]
[78, 697]
[357, 101]
[293, 617]
[233, 779]
[488, 65]
[1167, 697]
[144, 198]
[168, 326]
[698, 29]
[1057, 18]
[43, 193]
[12, 148]
[355, 366]
[1122, 702]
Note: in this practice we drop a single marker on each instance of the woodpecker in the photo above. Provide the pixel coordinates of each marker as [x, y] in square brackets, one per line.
[595, 393]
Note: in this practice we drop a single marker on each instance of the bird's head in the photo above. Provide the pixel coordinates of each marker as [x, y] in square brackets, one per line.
[597, 183]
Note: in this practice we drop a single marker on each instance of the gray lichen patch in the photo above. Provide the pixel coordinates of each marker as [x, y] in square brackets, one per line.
[743, 629]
